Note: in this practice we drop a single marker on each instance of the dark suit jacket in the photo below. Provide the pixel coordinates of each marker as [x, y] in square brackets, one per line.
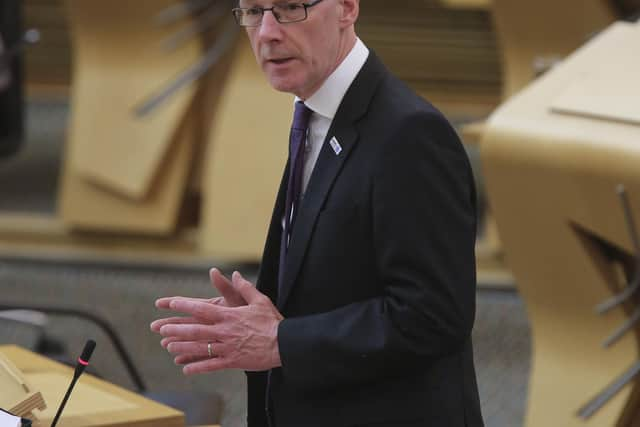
[379, 283]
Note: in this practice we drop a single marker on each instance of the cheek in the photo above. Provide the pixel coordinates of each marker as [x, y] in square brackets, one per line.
[324, 63]
[255, 45]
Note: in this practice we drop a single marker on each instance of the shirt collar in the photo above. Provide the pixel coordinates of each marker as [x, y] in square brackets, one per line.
[326, 100]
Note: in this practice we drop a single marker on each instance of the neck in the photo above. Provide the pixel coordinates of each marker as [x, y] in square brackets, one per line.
[346, 45]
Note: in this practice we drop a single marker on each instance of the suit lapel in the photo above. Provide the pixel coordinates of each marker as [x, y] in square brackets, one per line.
[328, 166]
[268, 274]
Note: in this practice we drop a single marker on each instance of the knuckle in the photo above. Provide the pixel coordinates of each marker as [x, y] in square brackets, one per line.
[226, 317]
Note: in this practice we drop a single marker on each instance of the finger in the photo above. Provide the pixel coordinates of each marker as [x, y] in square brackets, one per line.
[226, 289]
[221, 283]
[208, 365]
[196, 348]
[217, 301]
[246, 289]
[157, 324]
[191, 332]
[164, 342]
[185, 359]
[165, 302]
[219, 349]
[205, 311]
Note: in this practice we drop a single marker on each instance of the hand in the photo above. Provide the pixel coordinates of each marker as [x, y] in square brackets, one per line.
[242, 337]
[230, 298]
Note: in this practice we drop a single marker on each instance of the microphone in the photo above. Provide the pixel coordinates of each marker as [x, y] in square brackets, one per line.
[83, 362]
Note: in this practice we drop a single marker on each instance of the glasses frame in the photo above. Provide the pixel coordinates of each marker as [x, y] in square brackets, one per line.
[306, 6]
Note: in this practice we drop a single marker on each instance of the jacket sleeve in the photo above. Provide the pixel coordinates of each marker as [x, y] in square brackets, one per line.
[256, 398]
[424, 220]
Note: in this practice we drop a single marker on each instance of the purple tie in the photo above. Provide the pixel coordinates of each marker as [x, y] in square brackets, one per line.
[297, 140]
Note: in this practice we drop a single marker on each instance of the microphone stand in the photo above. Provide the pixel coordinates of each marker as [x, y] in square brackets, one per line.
[81, 364]
[102, 324]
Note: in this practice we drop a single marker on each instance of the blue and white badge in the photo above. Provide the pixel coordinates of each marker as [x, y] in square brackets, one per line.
[337, 148]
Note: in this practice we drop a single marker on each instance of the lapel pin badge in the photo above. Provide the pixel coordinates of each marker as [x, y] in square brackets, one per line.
[337, 148]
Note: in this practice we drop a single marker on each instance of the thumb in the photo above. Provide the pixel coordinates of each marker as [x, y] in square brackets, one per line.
[246, 289]
[226, 288]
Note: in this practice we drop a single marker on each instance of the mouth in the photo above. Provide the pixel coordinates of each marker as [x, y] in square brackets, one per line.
[279, 61]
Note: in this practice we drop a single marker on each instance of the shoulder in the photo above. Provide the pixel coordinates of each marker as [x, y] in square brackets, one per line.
[398, 115]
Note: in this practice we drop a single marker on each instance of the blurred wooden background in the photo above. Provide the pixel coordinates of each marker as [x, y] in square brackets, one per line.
[446, 51]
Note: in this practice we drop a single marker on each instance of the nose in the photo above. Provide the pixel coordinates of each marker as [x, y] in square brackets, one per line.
[270, 29]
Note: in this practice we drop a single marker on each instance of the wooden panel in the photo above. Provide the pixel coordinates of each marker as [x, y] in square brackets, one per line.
[49, 61]
[544, 32]
[467, 4]
[45, 237]
[246, 155]
[443, 53]
[607, 92]
[551, 180]
[119, 63]
[444, 49]
[133, 411]
[86, 206]
[18, 395]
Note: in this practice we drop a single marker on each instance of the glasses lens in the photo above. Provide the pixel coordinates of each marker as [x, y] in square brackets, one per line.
[248, 17]
[290, 12]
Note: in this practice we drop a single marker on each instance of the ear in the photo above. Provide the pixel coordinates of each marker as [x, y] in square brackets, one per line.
[350, 12]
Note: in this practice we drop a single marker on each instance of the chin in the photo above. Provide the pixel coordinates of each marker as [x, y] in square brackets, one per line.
[284, 86]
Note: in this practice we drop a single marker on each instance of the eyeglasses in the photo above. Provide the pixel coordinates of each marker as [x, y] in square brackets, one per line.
[284, 13]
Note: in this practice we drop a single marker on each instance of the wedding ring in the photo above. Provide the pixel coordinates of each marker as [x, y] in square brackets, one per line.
[209, 350]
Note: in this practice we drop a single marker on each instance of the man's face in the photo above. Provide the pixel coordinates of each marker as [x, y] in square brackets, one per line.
[298, 57]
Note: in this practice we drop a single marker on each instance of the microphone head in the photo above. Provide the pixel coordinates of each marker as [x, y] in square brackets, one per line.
[88, 351]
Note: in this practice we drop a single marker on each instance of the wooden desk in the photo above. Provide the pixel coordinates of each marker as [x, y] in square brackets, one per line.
[94, 402]
[553, 156]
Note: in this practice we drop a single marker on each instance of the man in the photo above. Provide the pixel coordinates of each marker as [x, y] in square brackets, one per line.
[365, 300]
[11, 123]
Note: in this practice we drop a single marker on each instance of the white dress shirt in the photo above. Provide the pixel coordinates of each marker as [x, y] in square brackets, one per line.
[324, 104]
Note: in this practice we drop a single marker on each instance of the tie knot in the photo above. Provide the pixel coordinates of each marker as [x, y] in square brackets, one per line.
[301, 116]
